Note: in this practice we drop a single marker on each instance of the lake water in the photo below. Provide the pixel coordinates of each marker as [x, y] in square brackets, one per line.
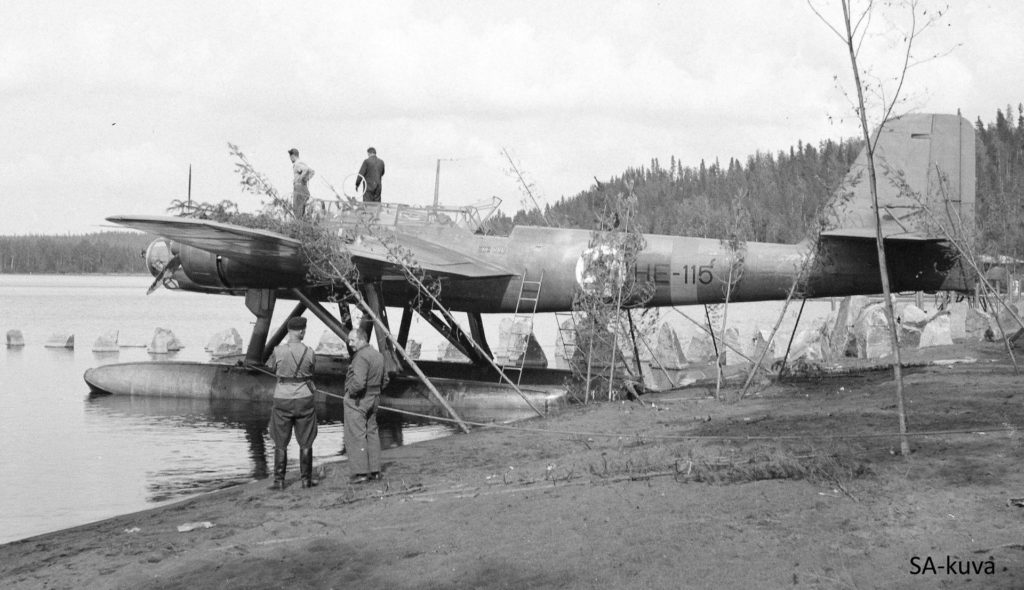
[68, 458]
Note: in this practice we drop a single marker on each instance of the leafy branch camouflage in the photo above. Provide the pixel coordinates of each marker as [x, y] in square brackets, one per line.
[326, 258]
[612, 288]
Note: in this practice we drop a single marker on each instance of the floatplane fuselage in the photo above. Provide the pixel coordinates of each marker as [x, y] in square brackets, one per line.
[482, 274]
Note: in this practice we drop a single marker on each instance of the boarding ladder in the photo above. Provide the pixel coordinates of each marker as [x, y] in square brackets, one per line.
[567, 334]
[522, 327]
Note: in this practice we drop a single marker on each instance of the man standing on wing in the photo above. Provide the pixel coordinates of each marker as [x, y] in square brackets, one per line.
[372, 170]
[363, 383]
[301, 173]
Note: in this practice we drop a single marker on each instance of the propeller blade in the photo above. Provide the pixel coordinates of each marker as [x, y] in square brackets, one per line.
[172, 265]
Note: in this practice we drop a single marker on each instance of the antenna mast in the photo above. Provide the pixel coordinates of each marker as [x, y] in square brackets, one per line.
[437, 181]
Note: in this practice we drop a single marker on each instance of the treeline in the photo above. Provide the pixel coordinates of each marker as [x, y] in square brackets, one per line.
[104, 252]
[1000, 170]
[778, 197]
[767, 198]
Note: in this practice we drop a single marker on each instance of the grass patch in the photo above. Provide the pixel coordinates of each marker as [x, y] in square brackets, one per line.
[723, 465]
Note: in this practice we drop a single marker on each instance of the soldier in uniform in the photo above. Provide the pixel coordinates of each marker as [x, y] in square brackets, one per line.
[293, 363]
[363, 383]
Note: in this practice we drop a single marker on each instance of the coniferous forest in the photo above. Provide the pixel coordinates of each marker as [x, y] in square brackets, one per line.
[766, 198]
[777, 197]
[103, 252]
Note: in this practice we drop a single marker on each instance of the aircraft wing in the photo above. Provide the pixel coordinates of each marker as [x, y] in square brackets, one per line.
[276, 252]
[253, 247]
[222, 238]
[432, 257]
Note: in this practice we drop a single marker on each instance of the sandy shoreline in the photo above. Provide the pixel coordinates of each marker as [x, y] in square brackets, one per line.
[678, 491]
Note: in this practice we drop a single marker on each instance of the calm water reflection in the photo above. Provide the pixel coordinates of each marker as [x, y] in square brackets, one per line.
[68, 458]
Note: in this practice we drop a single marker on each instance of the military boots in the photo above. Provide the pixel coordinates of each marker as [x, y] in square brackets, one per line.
[280, 466]
[306, 467]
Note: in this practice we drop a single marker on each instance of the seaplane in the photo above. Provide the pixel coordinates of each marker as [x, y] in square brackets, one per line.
[539, 269]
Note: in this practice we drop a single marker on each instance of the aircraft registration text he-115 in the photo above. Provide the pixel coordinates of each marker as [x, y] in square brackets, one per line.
[932, 153]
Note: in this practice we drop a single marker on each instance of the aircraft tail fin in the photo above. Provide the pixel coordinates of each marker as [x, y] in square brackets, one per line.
[921, 160]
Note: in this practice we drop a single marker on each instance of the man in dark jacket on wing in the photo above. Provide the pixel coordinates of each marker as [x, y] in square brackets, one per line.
[371, 171]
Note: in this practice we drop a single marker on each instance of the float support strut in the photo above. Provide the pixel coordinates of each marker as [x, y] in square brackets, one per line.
[261, 303]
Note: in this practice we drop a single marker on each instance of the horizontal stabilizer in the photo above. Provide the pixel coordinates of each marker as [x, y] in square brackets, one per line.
[889, 233]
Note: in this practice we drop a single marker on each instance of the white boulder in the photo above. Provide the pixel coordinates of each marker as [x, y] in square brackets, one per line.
[331, 345]
[976, 324]
[937, 332]
[872, 332]
[60, 340]
[106, 342]
[807, 344]
[164, 341]
[732, 344]
[958, 319]
[668, 351]
[414, 348]
[700, 348]
[447, 352]
[15, 339]
[225, 343]
[758, 345]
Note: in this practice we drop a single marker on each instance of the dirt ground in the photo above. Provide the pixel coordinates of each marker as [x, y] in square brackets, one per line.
[798, 486]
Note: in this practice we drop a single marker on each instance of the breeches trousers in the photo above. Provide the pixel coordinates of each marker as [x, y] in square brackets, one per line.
[293, 414]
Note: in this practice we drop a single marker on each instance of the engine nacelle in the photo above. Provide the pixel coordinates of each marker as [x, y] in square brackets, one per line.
[206, 272]
[206, 269]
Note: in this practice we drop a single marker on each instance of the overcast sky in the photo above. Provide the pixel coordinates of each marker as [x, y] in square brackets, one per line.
[104, 105]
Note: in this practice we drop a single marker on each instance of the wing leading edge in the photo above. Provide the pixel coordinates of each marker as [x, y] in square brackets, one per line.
[276, 252]
[253, 247]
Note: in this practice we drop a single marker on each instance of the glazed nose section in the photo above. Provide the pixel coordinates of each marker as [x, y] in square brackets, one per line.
[162, 262]
[158, 254]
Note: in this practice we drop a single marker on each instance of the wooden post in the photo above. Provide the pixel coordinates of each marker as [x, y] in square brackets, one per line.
[771, 337]
[719, 360]
[709, 332]
[791, 336]
[636, 350]
[654, 356]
